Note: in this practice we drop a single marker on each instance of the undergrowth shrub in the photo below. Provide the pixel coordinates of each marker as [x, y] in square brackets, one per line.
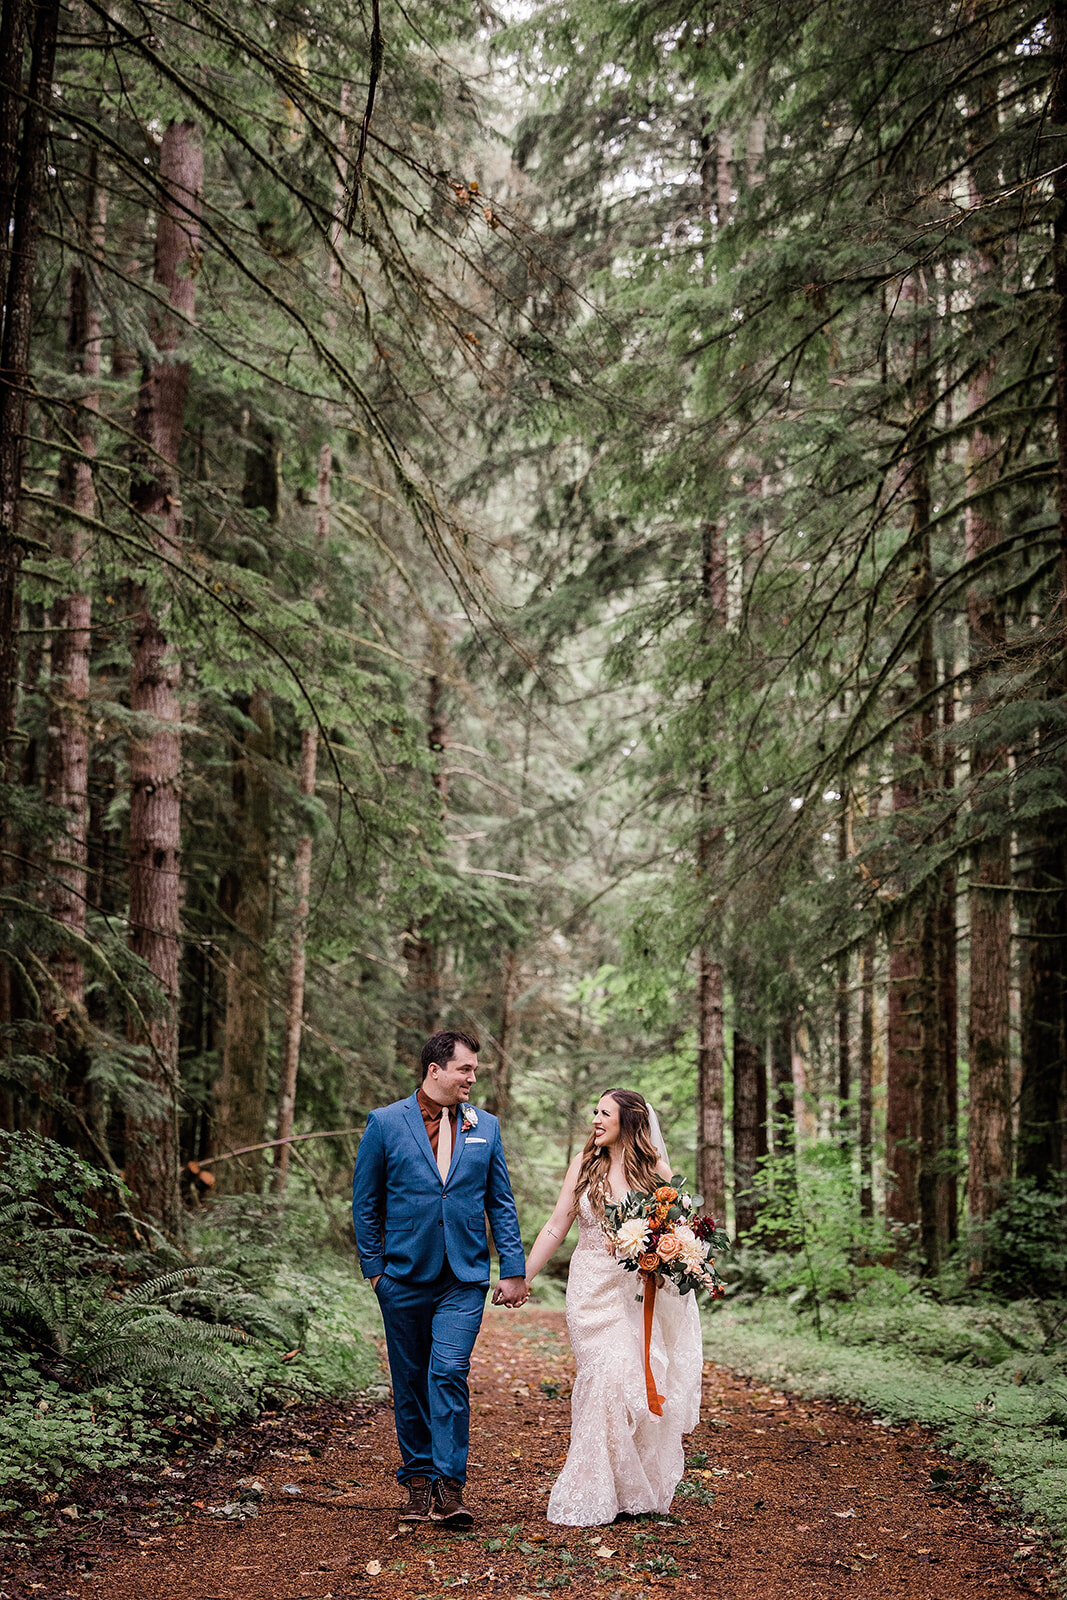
[810, 1246]
[1025, 1241]
[109, 1349]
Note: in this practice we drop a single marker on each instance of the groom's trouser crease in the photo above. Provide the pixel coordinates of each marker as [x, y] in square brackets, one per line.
[430, 1330]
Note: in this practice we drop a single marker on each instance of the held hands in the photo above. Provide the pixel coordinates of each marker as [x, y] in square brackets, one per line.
[511, 1292]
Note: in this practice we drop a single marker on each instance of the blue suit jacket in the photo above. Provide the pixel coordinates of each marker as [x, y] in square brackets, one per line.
[407, 1220]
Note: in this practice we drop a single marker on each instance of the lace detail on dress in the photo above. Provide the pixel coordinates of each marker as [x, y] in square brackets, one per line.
[621, 1456]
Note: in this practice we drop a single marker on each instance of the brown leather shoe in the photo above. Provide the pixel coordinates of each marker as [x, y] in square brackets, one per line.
[419, 1507]
[448, 1504]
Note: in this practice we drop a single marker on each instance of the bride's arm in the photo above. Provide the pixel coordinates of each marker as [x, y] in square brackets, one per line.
[558, 1225]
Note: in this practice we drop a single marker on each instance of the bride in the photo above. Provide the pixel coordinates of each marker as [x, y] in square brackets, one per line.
[622, 1457]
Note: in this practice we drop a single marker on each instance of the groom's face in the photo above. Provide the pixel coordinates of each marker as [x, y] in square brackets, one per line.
[455, 1080]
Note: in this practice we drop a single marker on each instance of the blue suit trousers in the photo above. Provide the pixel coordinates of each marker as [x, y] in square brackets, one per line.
[430, 1329]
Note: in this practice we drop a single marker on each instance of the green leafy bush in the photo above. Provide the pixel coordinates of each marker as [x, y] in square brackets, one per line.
[810, 1245]
[104, 1347]
[1025, 1242]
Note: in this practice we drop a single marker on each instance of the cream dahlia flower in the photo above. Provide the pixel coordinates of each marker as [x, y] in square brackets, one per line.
[631, 1238]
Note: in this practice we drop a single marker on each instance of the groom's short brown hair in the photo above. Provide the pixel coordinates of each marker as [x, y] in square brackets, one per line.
[441, 1047]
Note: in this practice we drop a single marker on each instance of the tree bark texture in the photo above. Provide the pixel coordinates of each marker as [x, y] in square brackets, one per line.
[948, 1001]
[750, 1130]
[294, 1004]
[842, 999]
[241, 1097]
[302, 856]
[1043, 1099]
[989, 1153]
[422, 1000]
[711, 1044]
[933, 1105]
[1042, 1152]
[711, 1093]
[784, 1117]
[865, 1086]
[67, 771]
[907, 1056]
[498, 1100]
[22, 174]
[1058, 166]
[155, 753]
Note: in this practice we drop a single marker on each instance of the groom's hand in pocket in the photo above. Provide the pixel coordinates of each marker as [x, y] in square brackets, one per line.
[511, 1292]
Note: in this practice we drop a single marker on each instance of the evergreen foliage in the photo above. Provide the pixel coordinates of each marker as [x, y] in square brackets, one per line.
[555, 528]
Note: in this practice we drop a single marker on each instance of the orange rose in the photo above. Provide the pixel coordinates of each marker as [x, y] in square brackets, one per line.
[666, 1194]
[668, 1247]
[661, 1213]
[649, 1262]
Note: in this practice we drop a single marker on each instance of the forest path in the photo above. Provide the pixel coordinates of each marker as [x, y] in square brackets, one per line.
[809, 1499]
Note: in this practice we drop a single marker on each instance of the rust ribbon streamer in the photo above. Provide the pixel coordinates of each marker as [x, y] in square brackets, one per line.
[655, 1399]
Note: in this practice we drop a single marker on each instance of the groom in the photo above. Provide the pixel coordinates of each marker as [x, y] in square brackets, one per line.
[428, 1170]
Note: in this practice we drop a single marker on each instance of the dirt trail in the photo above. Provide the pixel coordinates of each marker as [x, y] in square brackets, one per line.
[788, 1499]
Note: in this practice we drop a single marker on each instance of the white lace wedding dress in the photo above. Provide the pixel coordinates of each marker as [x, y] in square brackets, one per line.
[622, 1457]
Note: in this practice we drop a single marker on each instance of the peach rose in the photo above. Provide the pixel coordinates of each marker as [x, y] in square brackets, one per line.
[666, 1194]
[649, 1262]
[668, 1247]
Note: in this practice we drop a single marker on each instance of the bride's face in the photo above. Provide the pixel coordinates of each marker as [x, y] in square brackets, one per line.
[606, 1122]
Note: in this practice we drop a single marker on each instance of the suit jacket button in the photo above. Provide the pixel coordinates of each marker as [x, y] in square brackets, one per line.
[440, 1224]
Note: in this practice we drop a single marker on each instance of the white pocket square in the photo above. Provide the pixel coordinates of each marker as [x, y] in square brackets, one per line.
[476, 1141]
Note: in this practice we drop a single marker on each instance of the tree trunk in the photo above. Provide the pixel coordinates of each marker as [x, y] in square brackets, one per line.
[933, 1106]
[750, 1130]
[294, 1005]
[711, 1093]
[22, 175]
[1042, 1154]
[866, 1079]
[948, 1000]
[842, 999]
[932, 1099]
[1043, 1098]
[155, 754]
[246, 895]
[711, 1045]
[784, 1122]
[989, 1142]
[1058, 120]
[498, 1100]
[67, 778]
[917, 1106]
[241, 1098]
[422, 1001]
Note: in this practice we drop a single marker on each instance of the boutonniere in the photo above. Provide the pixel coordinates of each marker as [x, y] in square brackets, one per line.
[470, 1118]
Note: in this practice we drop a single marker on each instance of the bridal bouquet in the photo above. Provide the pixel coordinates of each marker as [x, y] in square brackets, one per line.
[661, 1232]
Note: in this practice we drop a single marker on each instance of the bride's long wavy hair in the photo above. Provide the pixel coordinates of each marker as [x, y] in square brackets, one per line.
[639, 1154]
